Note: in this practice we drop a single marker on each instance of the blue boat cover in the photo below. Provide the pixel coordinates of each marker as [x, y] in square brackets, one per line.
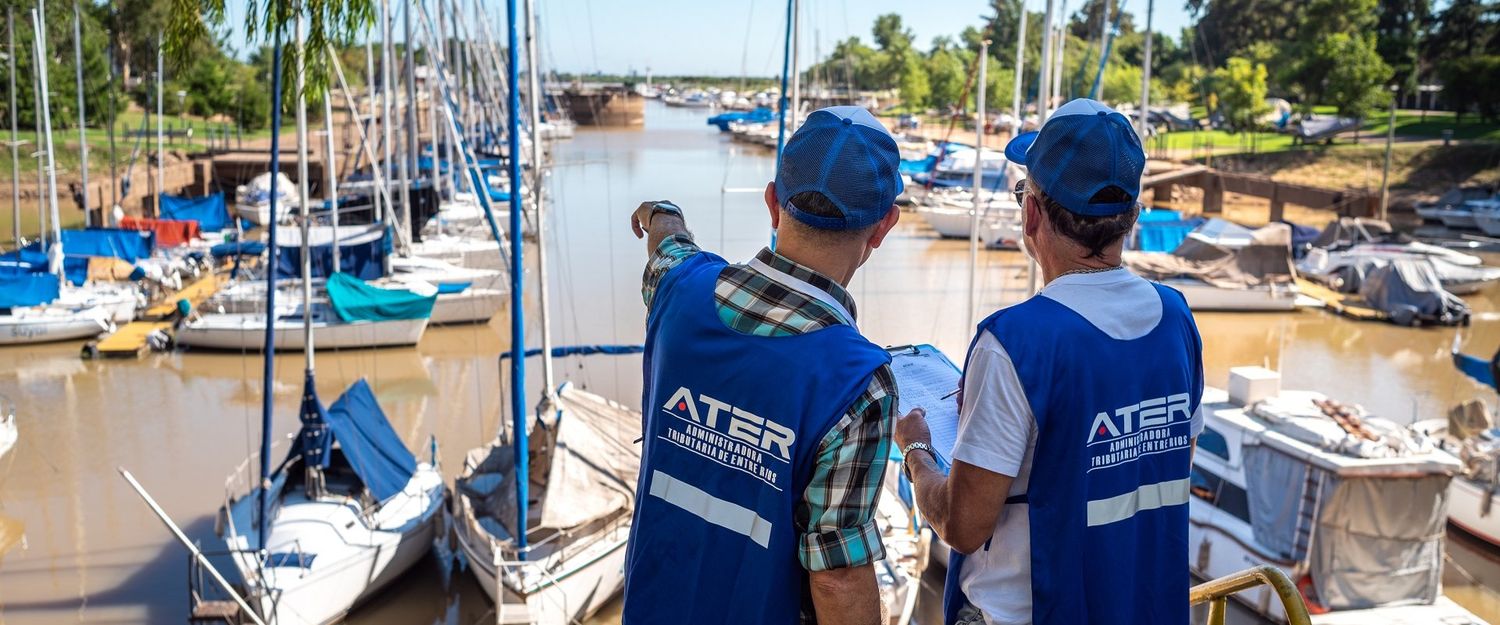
[918, 166]
[361, 255]
[19, 289]
[1159, 214]
[1164, 236]
[584, 350]
[355, 300]
[1474, 367]
[238, 248]
[127, 245]
[208, 211]
[453, 287]
[356, 423]
[25, 260]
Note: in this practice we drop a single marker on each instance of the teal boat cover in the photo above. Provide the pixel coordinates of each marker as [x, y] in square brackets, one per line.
[356, 300]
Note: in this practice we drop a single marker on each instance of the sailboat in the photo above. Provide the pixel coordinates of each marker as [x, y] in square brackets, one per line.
[348, 509]
[558, 561]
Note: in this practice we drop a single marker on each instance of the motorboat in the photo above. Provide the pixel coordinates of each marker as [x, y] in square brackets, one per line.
[583, 490]
[1351, 506]
[252, 201]
[1220, 266]
[1352, 246]
[1486, 213]
[350, 507]
[1469, 433]
[1453, 200]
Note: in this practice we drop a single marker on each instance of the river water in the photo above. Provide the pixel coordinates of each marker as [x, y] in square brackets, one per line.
[90, 551]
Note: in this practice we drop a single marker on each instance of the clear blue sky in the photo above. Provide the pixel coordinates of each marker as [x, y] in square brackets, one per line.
[729, 37]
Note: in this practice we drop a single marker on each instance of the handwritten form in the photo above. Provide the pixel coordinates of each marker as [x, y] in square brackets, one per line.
[926, 379]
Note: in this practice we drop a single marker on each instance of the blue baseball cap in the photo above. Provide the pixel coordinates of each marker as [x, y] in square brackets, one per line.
[844, 153]
[1084, 147]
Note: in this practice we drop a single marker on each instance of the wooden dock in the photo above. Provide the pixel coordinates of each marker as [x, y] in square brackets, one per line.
[1350, 306]
[132, 339]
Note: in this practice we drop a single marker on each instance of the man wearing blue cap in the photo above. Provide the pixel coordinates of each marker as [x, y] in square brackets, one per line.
[1067, 499]
[767, 414]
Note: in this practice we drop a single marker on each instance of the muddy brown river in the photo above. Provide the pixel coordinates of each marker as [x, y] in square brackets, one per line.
[77, 545]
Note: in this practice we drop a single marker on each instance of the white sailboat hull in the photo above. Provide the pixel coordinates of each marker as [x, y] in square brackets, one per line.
[949, 223]
[579, 591]
[470, 306]
[1467, 501]
[349, 560]
[246, 332]
[45, 325]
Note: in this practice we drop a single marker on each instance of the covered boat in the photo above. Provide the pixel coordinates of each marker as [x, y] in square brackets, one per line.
[1223, 266]
[357, 315]
[1349, 243]
[29, 312]
[351, 510]
[208, 211]
[252, 201]
[1352, 507]
[1469, 433]
[583, 488]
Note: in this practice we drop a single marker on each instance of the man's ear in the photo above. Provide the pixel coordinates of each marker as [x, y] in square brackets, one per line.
[1033, 221]
[885, 225]
[772, 205]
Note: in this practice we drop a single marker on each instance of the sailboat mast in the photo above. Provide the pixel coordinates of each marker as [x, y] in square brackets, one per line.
[786, 69]
[379, 208]
[55, 253]
[15, 146]
[413, 131]
[984, 64]
[1044, 82]
[1015, 99]
[330, 177]
[796, 63]
[83, 135]
[536, 195]
[1145, 112]
[307, 332]
[268, 376]
[517, 279]
[160, 151]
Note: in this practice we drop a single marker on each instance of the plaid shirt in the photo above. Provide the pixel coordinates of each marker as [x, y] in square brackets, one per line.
[837, 512]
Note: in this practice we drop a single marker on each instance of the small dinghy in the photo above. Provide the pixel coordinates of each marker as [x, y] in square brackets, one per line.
[351, 509]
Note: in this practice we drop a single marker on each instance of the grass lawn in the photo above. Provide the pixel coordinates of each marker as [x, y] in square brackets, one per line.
[1409, 125]
[127, 123]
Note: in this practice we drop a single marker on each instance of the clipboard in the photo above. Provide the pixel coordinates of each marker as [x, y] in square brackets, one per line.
[927, 379]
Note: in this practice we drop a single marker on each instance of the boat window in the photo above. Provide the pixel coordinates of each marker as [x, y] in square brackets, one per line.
[1220, 493]
[1213, 442]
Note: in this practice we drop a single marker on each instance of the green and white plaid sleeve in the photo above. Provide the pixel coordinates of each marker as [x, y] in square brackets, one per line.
[667, 255]
[840, 501]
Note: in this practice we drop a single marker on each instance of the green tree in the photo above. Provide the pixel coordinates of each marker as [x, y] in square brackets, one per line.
[1344, 70]
[1464, 93]
[1227, 27]
[916, 91]
[61, 68]
[1399, 35]
[1465, 28]
[948, 70]
[1240, 92]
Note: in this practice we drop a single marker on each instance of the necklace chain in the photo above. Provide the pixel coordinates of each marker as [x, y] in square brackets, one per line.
[1088, 270]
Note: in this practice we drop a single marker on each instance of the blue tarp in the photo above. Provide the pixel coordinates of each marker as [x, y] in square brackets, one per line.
[19, 289]
[1164, 236]
[208, 211]
[362, 251]
[27, 260]
[355, 300]
[759, 115]
[126, 245]
[356, 423]
[1474, 367]
[919, 166]
[238, 248]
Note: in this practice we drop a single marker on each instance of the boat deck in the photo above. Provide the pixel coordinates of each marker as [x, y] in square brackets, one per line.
[130, 340]
[1347, 305]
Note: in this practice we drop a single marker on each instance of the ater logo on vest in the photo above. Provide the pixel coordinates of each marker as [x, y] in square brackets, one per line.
[736, 423]
[1141, 429]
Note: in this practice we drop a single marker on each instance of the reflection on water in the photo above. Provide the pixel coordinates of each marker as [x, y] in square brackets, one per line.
[183, 421]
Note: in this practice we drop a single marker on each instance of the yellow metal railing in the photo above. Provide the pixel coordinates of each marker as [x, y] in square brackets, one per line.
[1216, 593]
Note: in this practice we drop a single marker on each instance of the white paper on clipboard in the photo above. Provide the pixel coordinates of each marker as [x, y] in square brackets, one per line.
[927, 379]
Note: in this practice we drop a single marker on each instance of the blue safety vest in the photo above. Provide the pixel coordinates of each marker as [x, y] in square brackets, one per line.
[733, 423]
[1108, 492]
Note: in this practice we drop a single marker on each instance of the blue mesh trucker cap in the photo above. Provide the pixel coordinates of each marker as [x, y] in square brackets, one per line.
[844, 153]
[1084, 147]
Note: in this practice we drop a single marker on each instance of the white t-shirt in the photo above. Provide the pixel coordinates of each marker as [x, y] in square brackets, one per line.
[997, 431]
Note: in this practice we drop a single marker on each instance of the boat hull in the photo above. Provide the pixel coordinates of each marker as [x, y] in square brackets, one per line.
[48, 327]
[1205, 297]
[470, 306]
[1466, 509]
[591, 584]
[246, 332]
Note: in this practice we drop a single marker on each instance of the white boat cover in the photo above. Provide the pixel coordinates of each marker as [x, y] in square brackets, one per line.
[1223, 257]
[1366, 516]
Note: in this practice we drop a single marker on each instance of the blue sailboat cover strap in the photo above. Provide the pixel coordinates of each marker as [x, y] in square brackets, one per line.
[208, 211]
[355, 300]
[356, 423]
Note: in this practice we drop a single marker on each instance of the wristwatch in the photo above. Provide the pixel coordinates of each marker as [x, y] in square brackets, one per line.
[906, 455]
[662, 207]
